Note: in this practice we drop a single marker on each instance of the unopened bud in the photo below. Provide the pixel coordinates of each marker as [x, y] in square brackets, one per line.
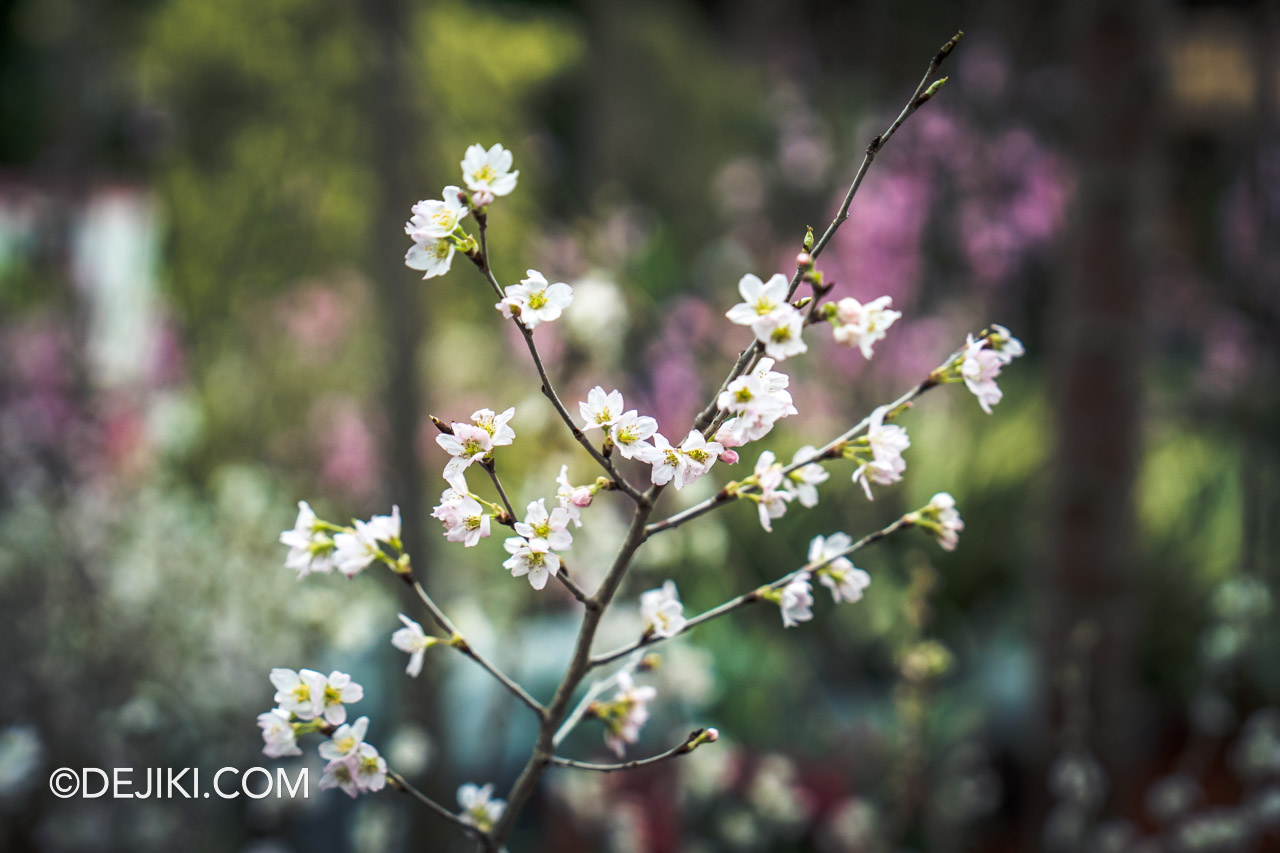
[441, 425]
[649, 662]
[808, 239]
[481, 198]
[804, 260]
[729, 457]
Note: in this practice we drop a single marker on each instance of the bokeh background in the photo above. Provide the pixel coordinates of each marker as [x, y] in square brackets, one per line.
[204, 317]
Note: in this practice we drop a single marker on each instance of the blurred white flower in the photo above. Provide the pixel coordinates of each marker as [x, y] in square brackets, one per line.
[278, 736]
[432, 258]
[489, 171]
[479, 807]
[345, 741]
[803, 482]
[310, 546]
[863, 326]
[413, 640]
[434, 219]
[795, 601]
[300, 693]
[662, 611]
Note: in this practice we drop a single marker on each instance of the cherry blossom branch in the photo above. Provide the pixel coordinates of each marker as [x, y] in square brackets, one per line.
[749, 356]
[690, 743]
[593, 693]
[576, 591]
[398, 781]
[482, 261]
[491, 469]
[749, 597]
[459, 642]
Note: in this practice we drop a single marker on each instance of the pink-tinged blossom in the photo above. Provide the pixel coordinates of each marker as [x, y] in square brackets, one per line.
[467, 444]
[838, 574]
[863, 326]
[500, 434]
[795, 601]
[942, 518]
[770, 502]
[488, 172]
[662, 612]
[803, 482]
[345, 741]
[551, 527]
[370, 768]
[338, 691]
[759, 299]
[626, 713]
[979, 367]
[279, 738]
[885, 442]
[464, 518]
[600, 409]
[534, 301]
[341, 775]
[531, 557]
[573, 499]
[434, 219]
[630, 435]
[781, 333]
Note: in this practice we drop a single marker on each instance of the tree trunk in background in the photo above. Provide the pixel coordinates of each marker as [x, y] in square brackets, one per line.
[394, 126]
[1093, 573]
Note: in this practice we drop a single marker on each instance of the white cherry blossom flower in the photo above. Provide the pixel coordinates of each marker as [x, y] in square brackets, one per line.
[601, 409]
[385, 528]
[630, 435]
[701, 455]
[666, 460]
[781, 333]
[885, 443]
[300, 693]
[500, 434]
[941, 516]
[354, 552]
[1004, 344]
[415, 641]
[759, 298]
[479, 807]
[489, 171]
[467, 444]
[531, 557]
[979, 367]
[432, 258]
[340, 774]
[803, 482]
[795, 601]
[338, 691]
[310, 545]
[573, 499]
[770, 502]
[552, 527]
[345, 741]
[433, 219]
[464, 518]
[662, 611]
[626, 713]
[863, 326]
[534, 301]
[278, 735]
[370, 768]
[839, 574]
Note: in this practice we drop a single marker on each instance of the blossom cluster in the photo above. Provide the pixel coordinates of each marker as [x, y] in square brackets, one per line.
[318, 547]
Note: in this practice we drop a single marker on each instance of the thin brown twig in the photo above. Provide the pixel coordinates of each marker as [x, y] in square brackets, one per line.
[684, 748]
[399, 781]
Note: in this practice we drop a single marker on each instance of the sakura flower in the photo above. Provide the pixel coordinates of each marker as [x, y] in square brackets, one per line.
[278, 735]
[803, 482]
[310, 546]
[463, 516]
[1004, 344]
[489, 171]
[340, 774]
[338, 689]
[662, 611]
[667, 461]
[979, 367]
[573, 499]
[299, 693]
[630, 433]
[863, 326]
[701, 455]
[385, 528]
[770, 502]
[534, 301]
[500, 434]
[780, 332]
[942, 518]
[531, 557]
[601, 409]
[795, 600]
[353, 552]
[885, 442]
[759, 299]
[625, 714]
[479, 807]
[467, 444]
[413, 640]
[432, 258]
[746, 393]
[345, 741]
[370, 768]
[838, 575]
[433, 220]
[552, 527]
[775, 382]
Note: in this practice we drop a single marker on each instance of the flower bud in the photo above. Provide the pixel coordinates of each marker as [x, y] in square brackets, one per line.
[804, 260]
[729, 457]
[481, 198]
[581, 496]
